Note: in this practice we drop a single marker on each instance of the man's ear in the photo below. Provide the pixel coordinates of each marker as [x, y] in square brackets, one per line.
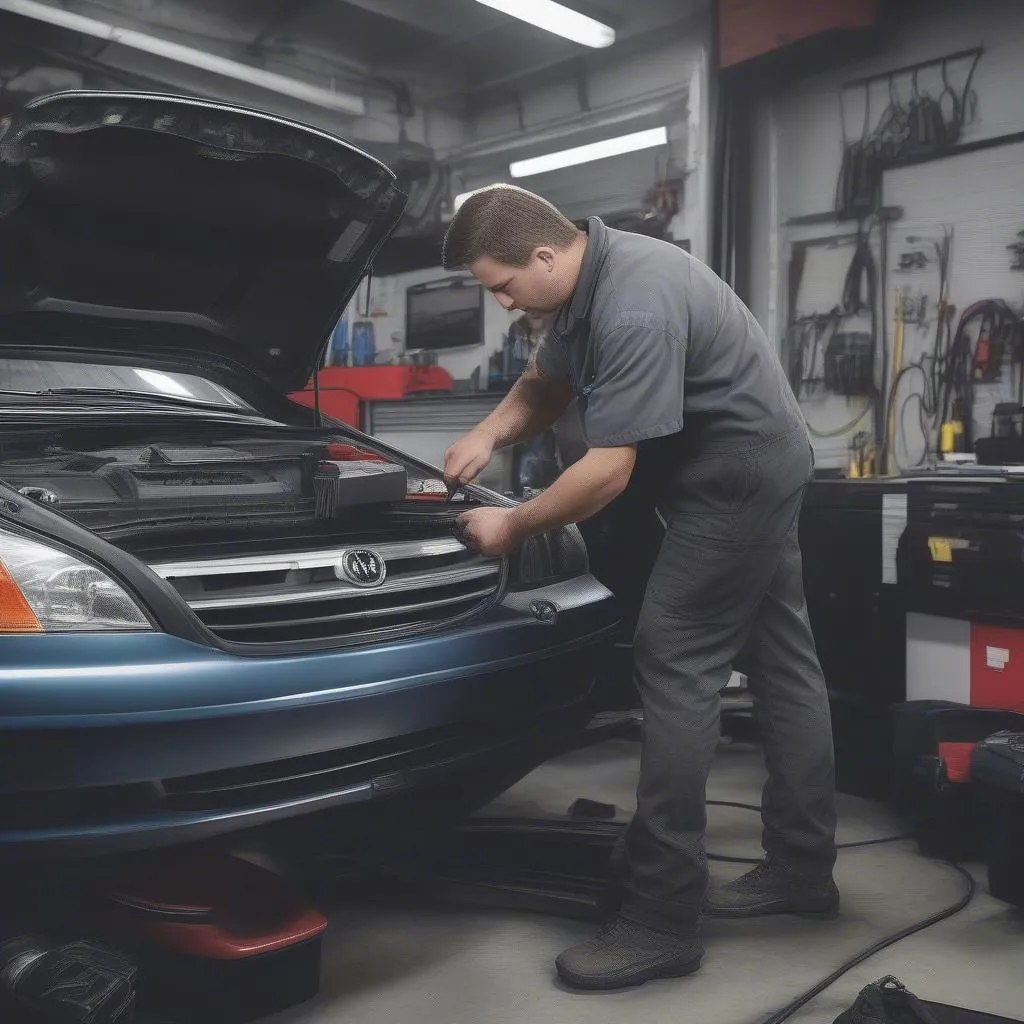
[546, 255]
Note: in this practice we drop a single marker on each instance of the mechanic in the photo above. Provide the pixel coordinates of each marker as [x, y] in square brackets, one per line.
[659, 351]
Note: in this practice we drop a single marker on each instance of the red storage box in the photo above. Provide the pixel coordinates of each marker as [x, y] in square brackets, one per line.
[218, 938]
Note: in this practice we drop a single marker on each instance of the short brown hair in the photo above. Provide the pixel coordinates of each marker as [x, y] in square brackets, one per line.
[505, 223]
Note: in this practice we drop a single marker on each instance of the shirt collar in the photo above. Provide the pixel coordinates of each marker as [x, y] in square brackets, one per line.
[579, 306]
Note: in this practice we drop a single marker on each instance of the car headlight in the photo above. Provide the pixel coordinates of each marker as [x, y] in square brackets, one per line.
[548, 558]
[46, 590]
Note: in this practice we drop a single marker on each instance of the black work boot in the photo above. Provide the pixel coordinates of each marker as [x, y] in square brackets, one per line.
[627, 953]
[772, 888]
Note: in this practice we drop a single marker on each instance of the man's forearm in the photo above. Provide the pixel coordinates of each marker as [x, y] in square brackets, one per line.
[580, 492]
[530, 407]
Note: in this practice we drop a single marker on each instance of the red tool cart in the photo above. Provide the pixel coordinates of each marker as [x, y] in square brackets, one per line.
[345, 390]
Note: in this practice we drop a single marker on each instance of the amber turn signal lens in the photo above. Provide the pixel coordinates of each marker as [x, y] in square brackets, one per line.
[15, 614]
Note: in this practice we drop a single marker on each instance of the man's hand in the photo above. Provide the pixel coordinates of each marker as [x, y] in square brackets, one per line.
[491, 531]
[468, 457]
[581, 491]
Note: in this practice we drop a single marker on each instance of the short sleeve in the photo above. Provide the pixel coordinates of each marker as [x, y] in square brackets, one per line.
[551, 360]
[637, 391]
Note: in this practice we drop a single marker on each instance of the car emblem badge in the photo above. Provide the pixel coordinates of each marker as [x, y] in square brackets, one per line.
[362, 568]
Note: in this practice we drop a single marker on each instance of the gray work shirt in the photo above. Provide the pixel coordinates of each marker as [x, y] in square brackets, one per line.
[656, 345]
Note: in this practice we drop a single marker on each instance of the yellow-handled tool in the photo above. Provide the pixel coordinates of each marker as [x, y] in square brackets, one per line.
[897, 365]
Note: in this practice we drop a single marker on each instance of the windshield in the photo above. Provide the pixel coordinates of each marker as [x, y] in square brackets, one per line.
[32, 376]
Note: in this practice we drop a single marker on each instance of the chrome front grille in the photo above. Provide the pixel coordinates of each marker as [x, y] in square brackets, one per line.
[311, 596]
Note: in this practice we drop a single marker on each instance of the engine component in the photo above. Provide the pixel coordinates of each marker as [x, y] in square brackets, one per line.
[338, 485]
[191, 482]
[132, 483]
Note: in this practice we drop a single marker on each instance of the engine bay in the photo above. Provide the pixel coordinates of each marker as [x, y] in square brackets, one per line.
[120, 482]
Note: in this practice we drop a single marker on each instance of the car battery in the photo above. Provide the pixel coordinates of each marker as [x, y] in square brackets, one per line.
[933, 743]
[218, 939]
[997, 767]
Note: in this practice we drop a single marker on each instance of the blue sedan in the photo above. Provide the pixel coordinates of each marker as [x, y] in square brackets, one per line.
[217, 610]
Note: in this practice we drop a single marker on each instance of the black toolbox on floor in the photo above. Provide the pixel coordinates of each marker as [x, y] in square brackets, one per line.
[933, 745]
[997, 770]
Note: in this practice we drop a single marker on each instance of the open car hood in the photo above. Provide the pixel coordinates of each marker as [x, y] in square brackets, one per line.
[191, 230]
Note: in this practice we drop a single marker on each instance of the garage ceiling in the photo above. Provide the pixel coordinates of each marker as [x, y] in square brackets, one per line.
[454, 55]
[445, 92]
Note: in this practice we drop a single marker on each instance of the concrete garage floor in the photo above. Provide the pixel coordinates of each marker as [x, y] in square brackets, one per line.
[440, 963]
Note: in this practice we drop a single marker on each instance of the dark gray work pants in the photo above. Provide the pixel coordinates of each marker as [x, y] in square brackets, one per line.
[727, 590]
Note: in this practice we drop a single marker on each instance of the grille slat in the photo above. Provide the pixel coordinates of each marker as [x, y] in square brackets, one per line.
[244, 598]
[295, 597]
[418, 606]
[317, 559]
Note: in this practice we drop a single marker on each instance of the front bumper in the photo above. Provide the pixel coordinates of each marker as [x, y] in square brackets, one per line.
[114, 742]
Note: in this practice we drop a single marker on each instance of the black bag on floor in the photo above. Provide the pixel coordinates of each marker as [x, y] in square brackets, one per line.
[888, 1001]
[65, 983]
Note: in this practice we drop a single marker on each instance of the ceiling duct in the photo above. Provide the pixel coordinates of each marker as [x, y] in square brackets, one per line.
[156, 46]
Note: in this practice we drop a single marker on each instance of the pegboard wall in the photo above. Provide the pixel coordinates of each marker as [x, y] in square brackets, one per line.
[979, 197]
[798, 153]
[818, 266]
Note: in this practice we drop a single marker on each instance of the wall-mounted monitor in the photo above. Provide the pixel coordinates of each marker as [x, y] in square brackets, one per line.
[444, 314]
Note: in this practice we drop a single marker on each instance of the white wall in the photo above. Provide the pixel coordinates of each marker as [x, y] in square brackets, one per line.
[658, 70]
[798, 150]
[663, 85]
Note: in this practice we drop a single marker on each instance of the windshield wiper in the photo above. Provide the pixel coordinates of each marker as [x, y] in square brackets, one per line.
[145, 396]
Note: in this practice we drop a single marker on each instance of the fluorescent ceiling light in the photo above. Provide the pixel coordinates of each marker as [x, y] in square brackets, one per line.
[595, 151]
[556, 18]
[345, 102]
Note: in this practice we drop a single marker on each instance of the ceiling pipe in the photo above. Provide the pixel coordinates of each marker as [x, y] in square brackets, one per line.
[346, 103]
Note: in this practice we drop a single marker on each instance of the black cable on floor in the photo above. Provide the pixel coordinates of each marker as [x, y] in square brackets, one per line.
[801, 1001]
[733, 803]
[876, 842]
[721, 857]
[724, 859]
